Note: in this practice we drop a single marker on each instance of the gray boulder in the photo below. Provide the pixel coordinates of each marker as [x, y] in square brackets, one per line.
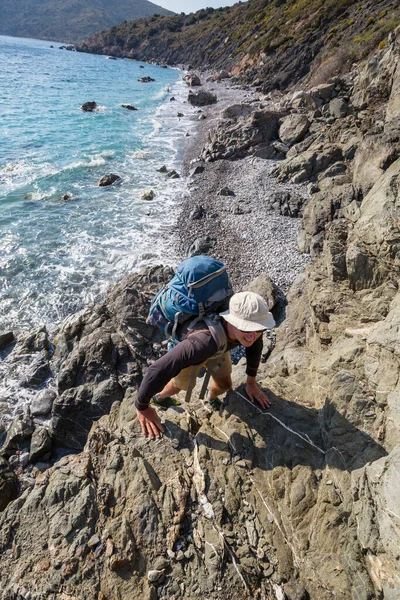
[293, 129]
[40, 444]
[201, 98]
[42, 403]
[338, 108]
[192, 80]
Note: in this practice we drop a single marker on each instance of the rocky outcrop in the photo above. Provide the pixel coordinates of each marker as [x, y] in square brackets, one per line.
[240, 131]
[300, 501]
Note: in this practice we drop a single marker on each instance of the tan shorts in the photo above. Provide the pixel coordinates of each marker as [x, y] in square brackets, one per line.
[223, 369]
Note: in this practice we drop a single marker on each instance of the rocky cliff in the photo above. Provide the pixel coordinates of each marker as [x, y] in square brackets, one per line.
[271, 44]
[301, 501]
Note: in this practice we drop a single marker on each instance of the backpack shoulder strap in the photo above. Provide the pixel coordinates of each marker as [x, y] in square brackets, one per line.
[217, 330]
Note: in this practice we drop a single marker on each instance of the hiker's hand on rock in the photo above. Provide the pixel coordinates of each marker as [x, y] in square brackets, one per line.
[255, 393]
[150, 422]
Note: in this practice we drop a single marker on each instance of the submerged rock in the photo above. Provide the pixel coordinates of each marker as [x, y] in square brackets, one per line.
[108, 179]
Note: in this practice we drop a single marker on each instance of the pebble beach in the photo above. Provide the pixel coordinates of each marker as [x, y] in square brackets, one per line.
[240, 229]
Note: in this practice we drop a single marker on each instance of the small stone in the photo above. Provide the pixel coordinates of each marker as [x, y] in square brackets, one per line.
[24, 459]
[225, 191]
[170, 553]
[13, 461]
[109, 547]
[268, 571]
[155, 575]
[94, 541]
[260, 553]
[329, 482]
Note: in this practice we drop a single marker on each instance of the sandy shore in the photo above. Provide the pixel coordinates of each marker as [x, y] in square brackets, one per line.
[256, 241]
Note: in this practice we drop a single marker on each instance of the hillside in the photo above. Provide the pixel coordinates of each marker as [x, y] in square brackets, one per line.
[273, 43]
[69, 20]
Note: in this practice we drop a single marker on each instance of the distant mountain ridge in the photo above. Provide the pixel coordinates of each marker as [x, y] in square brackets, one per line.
[69, 20]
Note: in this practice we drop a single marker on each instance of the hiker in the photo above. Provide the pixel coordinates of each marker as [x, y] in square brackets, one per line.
[244, 323]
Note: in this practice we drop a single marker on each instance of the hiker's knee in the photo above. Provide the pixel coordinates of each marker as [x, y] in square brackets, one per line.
[223, 383]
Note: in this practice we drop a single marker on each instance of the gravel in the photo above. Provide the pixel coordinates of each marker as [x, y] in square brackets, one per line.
[242, 232]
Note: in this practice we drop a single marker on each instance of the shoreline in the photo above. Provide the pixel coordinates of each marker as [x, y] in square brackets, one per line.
[244, 234]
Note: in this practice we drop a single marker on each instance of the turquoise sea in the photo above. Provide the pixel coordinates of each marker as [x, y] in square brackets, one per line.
[63, 239]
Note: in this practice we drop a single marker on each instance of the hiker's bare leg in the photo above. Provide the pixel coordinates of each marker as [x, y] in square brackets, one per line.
[169, 390]
[219, 386]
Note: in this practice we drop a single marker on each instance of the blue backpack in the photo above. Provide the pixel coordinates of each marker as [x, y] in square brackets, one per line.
[199, 287]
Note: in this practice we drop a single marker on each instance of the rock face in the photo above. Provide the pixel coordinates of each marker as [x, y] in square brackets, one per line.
[240, 132]
[299, 501]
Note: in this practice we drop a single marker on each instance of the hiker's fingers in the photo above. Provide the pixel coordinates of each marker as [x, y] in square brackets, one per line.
[256, 394]
[150, 423]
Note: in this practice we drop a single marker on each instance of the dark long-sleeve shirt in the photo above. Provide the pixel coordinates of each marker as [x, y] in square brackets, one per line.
[194, 349]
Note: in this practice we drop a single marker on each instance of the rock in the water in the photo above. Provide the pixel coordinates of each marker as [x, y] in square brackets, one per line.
[89, 106]
[39, 370]
[42, 403]
[147, 195]
[201, 98]
[108, 179]
[172, 175]
[6, 337]
[162, 169]
[129, 106]
[146, 79]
